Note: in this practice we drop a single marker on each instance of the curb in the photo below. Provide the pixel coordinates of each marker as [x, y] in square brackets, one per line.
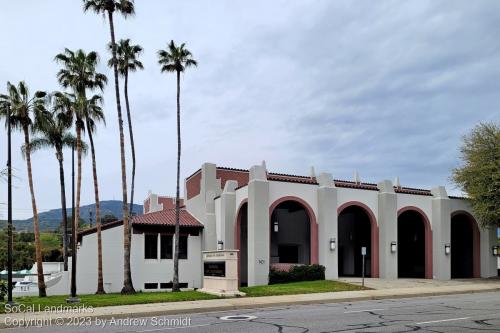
[265, 305]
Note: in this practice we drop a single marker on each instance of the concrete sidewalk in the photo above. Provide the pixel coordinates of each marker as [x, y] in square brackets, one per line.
[401, 288]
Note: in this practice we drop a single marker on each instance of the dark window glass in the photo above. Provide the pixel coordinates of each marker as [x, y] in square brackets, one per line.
[150, 246]
[150, 285]
[166, 247]
[167, 285]
[183, 247]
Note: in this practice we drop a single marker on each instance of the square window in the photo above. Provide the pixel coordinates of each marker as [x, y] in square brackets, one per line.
[166, 251]
[151, 246]
[183, 247]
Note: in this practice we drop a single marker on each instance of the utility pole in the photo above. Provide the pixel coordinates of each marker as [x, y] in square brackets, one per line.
[10, 245]
[73, 298]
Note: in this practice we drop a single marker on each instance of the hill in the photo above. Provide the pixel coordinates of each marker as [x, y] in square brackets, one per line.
[50, 220]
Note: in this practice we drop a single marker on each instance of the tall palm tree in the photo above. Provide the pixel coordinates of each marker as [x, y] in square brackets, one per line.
[54, 133]
[126, 8]
[127, 62]
[79, 73]
[175, 59]
[94, 114]
[25, 111]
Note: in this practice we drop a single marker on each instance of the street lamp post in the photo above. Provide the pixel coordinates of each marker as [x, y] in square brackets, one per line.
[10, 245]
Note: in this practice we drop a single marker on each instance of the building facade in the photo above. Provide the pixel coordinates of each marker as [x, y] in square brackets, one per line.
[278, 220]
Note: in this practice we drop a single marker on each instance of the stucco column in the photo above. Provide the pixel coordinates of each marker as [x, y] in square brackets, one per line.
[327, 225]
[258, 227]
[441, 233]
[228, 213]
[488, 239]
[210, 230]
[209, 189]
[388, 230]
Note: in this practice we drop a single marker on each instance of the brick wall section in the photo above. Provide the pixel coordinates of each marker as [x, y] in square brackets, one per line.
[242, 177]
[169, 203]
[193, 185]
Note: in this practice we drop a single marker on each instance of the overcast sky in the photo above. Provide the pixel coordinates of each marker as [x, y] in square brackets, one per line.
[386, 88]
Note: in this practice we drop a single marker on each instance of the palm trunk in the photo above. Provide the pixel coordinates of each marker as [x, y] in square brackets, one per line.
[128, 287]
[175, 283]
[132, 146]
[76, 218]
[38, 245]
[60, 159]
[100, 280]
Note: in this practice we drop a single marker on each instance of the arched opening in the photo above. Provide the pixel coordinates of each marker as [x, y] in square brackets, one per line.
[465, 259]
[357, 228]
[290, 233]
[241, 238]
[414, 244]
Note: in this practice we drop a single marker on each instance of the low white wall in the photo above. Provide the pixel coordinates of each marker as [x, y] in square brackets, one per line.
[143, 271]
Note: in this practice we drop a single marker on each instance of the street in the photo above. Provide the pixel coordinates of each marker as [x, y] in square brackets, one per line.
[477, 312]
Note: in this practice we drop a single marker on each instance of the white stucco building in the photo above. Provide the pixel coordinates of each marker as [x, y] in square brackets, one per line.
[278, 220]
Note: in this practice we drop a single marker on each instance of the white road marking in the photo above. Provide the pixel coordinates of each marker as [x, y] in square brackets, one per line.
[369, 310]
[440, 321]
[172, 328]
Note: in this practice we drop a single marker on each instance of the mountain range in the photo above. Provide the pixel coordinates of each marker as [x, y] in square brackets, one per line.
[50, 220]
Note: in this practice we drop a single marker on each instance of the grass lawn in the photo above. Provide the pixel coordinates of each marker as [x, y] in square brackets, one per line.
[305, 287]
[293, 288]
[113, 299]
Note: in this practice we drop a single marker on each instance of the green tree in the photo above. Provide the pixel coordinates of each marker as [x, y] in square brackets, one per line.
[25, 111]
[125, 8]
[54, 133]
[94, 114]
[127, 57]
[479, 175]
[79, 73]
[175, 59]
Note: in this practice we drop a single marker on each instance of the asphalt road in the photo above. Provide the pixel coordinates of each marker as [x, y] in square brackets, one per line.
[478, 312]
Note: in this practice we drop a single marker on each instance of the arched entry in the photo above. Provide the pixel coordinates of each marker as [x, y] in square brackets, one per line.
[414, 244]
[241, 239]
[465, 255]
[293, 232]
[357, 228]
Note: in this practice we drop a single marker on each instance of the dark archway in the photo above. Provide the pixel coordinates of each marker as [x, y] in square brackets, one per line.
[241, 239]
[290, 233]
[412, 245]
[356, 229]
[465, 257]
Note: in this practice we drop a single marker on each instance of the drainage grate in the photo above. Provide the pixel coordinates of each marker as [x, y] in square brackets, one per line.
[238, 317]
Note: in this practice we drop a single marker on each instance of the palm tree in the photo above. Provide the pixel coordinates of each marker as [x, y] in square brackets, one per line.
[94, 114]
[127, 62]
[79, 73]
[175, 59]
[126, 8]
[54, 134]
[25, 111]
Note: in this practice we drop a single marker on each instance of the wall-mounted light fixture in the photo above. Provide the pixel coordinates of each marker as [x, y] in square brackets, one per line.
[447, 249]
[495, 250]
[275, 226]
[220, 245]
[333, 245]
[393, 247]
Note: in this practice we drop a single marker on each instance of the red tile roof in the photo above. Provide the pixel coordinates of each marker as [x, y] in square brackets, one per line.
[167, 218]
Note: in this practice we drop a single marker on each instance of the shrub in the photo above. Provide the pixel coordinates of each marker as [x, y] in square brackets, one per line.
[297, 273]
[3, 290]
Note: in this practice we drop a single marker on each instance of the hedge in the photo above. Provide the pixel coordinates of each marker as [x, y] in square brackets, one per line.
[297, 273]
